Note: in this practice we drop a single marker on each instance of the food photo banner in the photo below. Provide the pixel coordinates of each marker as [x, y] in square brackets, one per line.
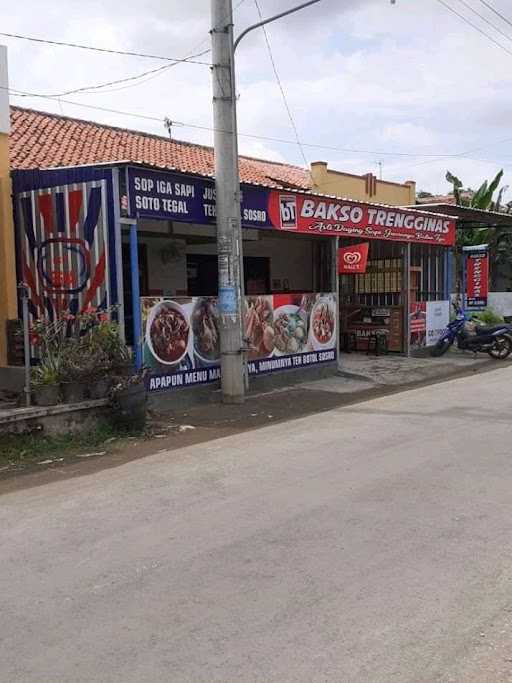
[283, 331]
[175, 197]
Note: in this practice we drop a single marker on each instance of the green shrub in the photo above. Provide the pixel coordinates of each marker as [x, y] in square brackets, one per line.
[488, 317]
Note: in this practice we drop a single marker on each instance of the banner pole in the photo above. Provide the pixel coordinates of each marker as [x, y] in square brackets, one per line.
[136, 312]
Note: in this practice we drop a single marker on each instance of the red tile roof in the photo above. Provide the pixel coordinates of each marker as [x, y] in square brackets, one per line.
[42, 140]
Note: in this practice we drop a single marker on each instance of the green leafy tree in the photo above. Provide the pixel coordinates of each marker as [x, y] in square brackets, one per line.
[499, 239]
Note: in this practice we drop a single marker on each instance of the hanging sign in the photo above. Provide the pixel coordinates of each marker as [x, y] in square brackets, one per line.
[477, 276]
[353, 259]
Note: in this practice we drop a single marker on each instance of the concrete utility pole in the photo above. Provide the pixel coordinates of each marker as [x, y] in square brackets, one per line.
[227, 184]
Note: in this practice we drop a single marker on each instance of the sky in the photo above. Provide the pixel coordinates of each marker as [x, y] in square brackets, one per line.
[410, 84]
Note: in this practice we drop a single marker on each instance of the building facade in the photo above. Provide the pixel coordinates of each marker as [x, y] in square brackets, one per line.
[364, 188]
[80, 189]
[8, 304]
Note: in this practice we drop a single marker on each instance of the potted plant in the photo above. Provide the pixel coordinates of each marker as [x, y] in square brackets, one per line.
[100, 375]
[47, 336]
[74, 372]
[128, 401]
[46, 383]
[105, 338]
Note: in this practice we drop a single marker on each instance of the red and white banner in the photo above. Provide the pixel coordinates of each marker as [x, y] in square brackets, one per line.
[477, 278]
[319, 216]
[353, 259]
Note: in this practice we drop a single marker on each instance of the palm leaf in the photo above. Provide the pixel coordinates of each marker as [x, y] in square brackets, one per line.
[497, 203]
[486, 199]
[478, 199]
[456, 183]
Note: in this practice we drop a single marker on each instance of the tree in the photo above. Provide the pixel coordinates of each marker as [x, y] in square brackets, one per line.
[499, 239]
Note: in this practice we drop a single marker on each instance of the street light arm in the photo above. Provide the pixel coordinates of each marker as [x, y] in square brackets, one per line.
[270, 19]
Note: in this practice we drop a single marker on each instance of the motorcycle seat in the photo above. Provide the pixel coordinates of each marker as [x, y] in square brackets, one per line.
[489, 330]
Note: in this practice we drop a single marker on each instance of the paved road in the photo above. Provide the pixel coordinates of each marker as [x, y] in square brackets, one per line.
[368, 544]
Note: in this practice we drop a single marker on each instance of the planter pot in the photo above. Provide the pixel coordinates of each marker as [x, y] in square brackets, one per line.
[47, 394]
[100, 388]
[124, 370]
[129, 407]
[73, 392]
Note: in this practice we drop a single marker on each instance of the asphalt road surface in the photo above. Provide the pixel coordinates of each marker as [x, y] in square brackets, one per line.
[369, 544]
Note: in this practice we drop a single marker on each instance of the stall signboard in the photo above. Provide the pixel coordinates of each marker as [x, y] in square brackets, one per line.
[477, 276]
[438, 317]
[176, 197]
[284, 331]
[353, 259]
[316, 215]
[188, 199]
[427, 322]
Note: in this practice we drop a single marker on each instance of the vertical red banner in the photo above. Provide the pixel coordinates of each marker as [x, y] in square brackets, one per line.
[477, 278]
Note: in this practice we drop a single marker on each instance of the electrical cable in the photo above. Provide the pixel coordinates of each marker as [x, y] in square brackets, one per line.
[266, 138]
[102, 49]
[152, 73]
[498, 14]
[460, 155]
[477, 28]
[483, 18]
[281, 88]
[128, 53]
[205, 40]
[89, 89]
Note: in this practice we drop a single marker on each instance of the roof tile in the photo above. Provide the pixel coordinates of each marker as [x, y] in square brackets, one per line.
[42, 140]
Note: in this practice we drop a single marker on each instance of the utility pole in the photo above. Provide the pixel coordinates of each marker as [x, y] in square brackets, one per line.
[227, 185]
[227, 188]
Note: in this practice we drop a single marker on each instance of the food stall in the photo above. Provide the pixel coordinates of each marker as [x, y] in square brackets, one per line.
[399, 299]
[142, 242]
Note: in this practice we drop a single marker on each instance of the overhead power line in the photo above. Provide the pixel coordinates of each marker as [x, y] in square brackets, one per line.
[205, 40]
[460, 155]
[181, 124]
[281, 88]
[47, 41]
[496, 12]
[128, 79]
[133, 80]
[483, 18]
[477, 28]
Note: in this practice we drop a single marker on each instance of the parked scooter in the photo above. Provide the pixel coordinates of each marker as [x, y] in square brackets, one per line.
[495, 340]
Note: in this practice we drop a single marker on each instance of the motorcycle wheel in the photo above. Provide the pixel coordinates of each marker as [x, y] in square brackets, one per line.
[440, 348]
[501, 349]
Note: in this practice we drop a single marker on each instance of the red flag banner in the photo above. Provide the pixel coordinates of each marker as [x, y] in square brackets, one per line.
[477, 278]
[353, 259]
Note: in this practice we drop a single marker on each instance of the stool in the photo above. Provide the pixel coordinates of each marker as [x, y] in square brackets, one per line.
[378, 343]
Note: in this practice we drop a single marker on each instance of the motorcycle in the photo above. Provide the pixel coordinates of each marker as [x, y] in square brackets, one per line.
[495, 340]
